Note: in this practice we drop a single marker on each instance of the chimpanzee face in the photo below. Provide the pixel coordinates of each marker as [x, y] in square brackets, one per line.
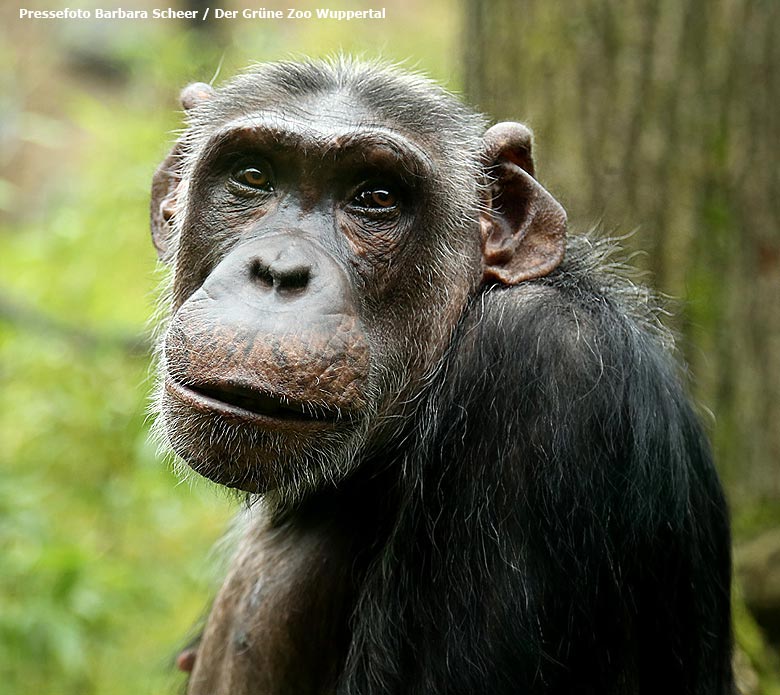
[323, 253]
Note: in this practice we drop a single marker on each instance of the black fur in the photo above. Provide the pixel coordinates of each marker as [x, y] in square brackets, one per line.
[560, 526]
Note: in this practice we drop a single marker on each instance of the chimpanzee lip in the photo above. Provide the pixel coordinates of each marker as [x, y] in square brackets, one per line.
[254, 405]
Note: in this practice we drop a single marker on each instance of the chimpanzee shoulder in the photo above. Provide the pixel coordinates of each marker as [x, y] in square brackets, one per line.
[590, 492]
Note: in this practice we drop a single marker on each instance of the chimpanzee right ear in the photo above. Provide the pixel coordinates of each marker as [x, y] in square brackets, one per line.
[162, 207]
[167, 179]
[523, 227]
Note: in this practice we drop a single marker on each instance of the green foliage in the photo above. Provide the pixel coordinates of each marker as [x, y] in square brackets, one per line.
[756, 664]
[102, 556]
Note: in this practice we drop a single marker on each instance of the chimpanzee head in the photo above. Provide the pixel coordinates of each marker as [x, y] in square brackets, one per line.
[327, 224]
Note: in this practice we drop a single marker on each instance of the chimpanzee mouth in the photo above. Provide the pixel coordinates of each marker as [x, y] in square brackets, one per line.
[247, 403]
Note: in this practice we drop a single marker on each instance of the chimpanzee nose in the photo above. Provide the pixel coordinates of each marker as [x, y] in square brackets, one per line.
[283, 265]
[283, 275]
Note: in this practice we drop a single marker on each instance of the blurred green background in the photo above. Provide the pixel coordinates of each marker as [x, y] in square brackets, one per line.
[651, 117]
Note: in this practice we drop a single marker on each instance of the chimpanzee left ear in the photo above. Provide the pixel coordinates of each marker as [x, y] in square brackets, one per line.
[523, 227]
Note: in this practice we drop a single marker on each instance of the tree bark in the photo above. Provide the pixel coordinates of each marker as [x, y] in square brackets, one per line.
[660, 118]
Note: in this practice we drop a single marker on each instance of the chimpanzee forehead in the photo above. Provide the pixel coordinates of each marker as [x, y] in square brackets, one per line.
[347, 92]
[325, 113]
[324, 116]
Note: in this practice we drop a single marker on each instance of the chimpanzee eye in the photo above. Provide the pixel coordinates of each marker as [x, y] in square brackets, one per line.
[379, 198]
[254, 176]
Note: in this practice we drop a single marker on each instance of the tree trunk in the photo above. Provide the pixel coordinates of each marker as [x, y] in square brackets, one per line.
[659, 117]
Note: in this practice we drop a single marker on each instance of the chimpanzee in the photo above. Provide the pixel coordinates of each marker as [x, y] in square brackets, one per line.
[476, 466]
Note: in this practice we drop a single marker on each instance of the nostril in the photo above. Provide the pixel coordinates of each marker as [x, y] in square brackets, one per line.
[291, 279]
[281, 276]
[262, 273]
